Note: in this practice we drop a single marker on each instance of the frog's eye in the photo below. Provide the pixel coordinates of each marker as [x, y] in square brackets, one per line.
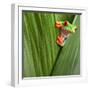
[66, 23]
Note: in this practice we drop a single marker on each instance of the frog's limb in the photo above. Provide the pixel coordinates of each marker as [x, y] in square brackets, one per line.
[58, 25]
[61, 44]
[60, 40]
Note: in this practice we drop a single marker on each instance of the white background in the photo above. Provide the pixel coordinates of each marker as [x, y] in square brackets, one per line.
[5, 43]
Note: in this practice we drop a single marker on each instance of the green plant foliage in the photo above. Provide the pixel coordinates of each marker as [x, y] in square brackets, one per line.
[41, 54]
[68, 62]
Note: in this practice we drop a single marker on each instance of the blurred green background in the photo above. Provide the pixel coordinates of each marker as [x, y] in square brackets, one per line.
[41, 54]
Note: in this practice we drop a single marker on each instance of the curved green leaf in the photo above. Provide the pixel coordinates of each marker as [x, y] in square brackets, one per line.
[41, 55]
[68, 62]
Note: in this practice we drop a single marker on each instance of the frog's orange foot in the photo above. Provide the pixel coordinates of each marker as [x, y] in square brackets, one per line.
[60, 41]
[60, 44]
[58, 25]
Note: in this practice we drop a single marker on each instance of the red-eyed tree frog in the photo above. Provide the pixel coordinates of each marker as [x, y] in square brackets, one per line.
[66, 29]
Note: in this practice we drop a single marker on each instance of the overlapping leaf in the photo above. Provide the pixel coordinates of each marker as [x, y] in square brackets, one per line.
[41, 55]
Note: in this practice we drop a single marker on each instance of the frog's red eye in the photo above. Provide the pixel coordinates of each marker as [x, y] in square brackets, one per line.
[66, 23]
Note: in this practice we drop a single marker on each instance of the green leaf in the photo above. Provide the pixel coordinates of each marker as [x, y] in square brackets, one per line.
[41, 54]
[68, 62]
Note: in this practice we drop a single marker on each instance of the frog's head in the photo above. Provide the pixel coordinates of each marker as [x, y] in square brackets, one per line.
[65, 25]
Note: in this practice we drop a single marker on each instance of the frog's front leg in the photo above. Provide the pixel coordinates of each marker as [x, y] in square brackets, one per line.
[60, 40]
